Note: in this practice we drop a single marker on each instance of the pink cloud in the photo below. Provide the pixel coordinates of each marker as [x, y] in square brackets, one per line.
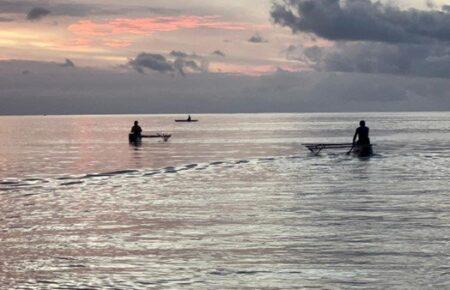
[151, 25]
[80, 42]
[117, 43]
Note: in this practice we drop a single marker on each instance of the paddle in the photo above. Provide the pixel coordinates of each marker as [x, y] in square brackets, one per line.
[351, 149]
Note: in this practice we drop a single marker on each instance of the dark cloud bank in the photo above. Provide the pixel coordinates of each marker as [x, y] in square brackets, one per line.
[218, 53]
[370, 37]
[181, 63]
[37, 13]
[257, 38]
[48, 88]
[362, 20]
[37, 9]
[68, 63]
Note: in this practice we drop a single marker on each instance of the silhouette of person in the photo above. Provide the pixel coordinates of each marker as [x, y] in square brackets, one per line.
[189, 118]
[363, 134]
[136, 130]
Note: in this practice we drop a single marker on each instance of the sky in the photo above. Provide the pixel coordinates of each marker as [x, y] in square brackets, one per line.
[57, 52]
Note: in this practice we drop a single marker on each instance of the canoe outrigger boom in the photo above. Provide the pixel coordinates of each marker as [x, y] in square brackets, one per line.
[133, 139]
[360, 150]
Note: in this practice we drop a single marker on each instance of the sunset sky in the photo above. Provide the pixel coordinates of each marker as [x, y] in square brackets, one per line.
[108, 32]
[250, 37]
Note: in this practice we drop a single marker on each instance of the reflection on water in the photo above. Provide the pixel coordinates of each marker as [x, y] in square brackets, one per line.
[233, 201]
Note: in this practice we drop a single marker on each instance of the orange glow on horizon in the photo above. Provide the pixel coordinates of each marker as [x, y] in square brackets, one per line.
[241, 69]
[253, 70]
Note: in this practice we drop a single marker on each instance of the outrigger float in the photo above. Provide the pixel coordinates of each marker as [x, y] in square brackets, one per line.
[134, 139]
[358, 150]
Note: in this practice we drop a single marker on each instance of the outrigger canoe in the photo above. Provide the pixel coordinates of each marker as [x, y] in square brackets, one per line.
[133, 139]
[358, 150]
[187, 121]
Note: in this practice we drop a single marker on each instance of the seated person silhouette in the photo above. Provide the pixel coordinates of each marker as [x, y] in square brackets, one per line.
[362, 132]
[136, 131]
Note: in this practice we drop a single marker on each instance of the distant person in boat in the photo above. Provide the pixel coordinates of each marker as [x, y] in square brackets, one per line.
[362, 133]
[189, 118]
[136, 130]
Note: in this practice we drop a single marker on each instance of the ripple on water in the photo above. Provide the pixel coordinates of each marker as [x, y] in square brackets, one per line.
[324, 222]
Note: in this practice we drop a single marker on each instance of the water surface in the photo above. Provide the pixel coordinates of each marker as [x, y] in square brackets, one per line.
[233, 201]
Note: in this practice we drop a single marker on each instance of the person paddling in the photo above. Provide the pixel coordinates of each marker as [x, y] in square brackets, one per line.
[362, 132]
[136, 130]
[189, 118]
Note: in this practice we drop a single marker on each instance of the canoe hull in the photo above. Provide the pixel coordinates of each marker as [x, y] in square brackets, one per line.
[135, 139]
[363, 151]
[186, 121]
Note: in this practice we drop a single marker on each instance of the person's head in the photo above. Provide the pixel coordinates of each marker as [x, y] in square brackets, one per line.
[362, 123]
[136, 123]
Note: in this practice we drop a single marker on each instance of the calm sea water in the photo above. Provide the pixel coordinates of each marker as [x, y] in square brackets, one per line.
[233, 201]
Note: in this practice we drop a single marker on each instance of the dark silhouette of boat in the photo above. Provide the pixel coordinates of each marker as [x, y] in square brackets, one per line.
[136, 139]
[187, 121]
[355, 149]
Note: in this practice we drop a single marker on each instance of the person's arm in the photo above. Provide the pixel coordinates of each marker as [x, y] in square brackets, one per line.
[354, 137]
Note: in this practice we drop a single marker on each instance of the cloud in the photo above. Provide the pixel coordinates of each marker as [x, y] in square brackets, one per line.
[6, 19]
[182, 63]
[369, 37]
[37, 13]
[430, 4]
[68, 63]
[362, 20]
[178, 53]
[218, 53]
[376, 57]
[155, 62]
[14, 6]
[256, 38]
[139, 26]
[57, 9]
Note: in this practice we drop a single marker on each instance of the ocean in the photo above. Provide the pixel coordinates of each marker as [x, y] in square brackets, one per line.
[231, 202]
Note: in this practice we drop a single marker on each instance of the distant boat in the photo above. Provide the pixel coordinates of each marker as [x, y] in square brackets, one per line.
[186, 120]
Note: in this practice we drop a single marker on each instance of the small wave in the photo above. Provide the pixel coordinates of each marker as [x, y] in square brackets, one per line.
[71, 183]
[267, 159]
[74, 180]
[9, 182]
[122, 172]
[152, 173]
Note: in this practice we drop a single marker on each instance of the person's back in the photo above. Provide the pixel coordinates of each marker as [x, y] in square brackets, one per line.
[363, 134]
